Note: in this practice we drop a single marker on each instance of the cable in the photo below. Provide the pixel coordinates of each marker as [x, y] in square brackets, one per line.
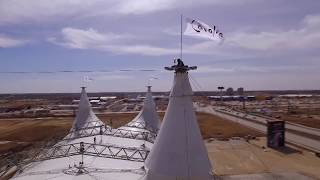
[195, 85]
[78, 71]
[198, 84]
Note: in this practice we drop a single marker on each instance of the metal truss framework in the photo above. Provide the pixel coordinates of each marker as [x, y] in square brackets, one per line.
[92, 171]
[92, 127]
[63, 149]
[137, 124]
[87, 149]
[97, 129]
[97, 150]
[140, 125]
[140, 135]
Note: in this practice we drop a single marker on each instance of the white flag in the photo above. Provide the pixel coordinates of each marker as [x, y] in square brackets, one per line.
[200, 29]
[87, 79]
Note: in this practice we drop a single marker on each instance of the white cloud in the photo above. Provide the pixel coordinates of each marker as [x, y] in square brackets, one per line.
[112, 77]
[87, 39]
[210, 69]
[254, 69]
[14, 11]
[147, 6]
[7, 42]
[305, 37]
[142, 50]
[312, 21]
[110, 42]
[241, 44]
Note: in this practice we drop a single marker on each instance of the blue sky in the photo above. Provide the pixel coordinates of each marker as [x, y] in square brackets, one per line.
[270, 44]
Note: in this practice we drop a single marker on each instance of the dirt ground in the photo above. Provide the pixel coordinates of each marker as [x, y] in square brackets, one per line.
[238, 157]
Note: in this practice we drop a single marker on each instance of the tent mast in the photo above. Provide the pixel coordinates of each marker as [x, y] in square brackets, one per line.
[181, 36]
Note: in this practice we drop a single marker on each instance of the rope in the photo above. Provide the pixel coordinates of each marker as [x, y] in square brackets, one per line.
[195, 83]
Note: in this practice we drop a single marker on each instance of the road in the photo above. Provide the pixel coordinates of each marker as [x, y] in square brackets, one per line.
[260, 125]
[264, 119]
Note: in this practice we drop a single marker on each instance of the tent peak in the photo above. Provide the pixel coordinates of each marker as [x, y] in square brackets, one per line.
[85, 121]
[148, 118]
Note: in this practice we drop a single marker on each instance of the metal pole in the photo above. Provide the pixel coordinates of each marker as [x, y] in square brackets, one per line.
[181, 37]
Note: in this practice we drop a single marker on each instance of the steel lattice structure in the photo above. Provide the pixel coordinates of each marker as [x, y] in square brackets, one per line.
[66, 149]
[137, 124]
[98, 129]
[140, 135]
[140, 125]
[98, 150]
[89, 170]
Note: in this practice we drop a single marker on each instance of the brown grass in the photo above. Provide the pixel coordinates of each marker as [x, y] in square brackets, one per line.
[27, 132]
[13, 147]
[216, 127]
[117, 119]
[306, 120]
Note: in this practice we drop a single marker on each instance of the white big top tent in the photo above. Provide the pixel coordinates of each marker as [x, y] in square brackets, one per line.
[91, 150]
[147, 121]
[86, 122]
[179, 151]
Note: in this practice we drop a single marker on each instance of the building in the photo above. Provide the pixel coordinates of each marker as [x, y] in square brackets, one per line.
[240, 91]
[229, 91]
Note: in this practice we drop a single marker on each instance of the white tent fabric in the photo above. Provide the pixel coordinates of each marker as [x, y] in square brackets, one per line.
[86, 122]
[179, 151]
[103, 157]
[148, 118]
[97, 167]
[85, 114]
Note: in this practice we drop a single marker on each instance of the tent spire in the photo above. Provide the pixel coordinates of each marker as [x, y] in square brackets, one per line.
[148, 117]
[85, 118]
[179, 151]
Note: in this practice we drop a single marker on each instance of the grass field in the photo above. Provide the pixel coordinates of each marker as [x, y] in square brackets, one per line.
[20, 133]
[306, 120]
